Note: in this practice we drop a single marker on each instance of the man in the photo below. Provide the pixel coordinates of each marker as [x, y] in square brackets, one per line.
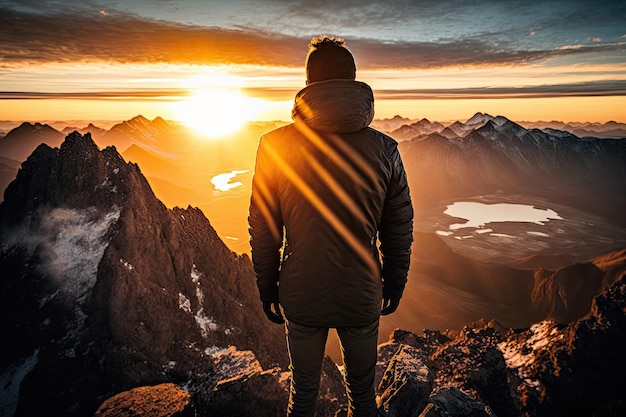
[326, 188]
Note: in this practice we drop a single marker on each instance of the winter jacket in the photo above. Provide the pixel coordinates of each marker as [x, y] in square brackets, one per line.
[325, 190]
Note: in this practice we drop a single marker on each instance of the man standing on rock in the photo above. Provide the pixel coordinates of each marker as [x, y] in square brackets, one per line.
[326, 189]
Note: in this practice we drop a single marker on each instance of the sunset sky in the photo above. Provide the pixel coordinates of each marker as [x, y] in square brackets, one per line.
[443, 60]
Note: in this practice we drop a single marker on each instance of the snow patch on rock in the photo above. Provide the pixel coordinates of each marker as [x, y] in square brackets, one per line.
[184, 303]
[205, 323]
[520, 354]
[127, 265]
[70, 243]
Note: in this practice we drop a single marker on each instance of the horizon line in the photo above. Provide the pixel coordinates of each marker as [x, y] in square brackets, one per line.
[409, 119]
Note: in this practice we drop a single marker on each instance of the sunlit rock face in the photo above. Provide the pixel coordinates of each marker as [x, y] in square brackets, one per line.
[566, 295]
[163, 400]
[104, 289]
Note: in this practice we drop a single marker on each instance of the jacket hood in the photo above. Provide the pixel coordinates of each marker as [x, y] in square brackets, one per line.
[337, 105]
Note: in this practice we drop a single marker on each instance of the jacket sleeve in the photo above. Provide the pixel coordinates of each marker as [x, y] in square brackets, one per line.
[396, 230]
[265, 225]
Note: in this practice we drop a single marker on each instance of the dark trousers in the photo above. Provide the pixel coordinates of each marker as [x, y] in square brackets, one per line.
[306, 351]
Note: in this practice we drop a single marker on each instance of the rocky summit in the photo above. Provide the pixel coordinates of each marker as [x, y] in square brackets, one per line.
[548, 369]
[111, 305]
[104, 289]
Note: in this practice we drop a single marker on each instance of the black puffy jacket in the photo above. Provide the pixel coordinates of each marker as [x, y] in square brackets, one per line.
[329, 188]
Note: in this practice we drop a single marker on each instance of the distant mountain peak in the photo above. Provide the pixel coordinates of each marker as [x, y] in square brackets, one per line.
[139, 118]
[501, 120]
[479, 118]
[34, 126]
[160, 123]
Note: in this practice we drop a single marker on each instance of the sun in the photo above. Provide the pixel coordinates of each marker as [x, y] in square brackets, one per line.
[216, 107]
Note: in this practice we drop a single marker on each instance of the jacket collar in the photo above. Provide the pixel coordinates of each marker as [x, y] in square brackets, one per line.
[337, 105]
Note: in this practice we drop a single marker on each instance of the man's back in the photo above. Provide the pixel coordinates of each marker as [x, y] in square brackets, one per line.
[328, 178]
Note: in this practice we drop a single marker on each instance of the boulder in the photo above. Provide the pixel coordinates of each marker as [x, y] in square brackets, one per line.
[164, 400]
[406, 384]
[453, 402]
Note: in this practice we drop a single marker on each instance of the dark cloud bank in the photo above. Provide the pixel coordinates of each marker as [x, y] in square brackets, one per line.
[72, 36]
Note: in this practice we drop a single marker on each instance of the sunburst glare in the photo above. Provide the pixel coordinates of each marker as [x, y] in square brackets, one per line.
[216, 107]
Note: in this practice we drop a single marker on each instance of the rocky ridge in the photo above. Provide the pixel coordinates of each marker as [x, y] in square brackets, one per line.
[484, 370]
[545, 370]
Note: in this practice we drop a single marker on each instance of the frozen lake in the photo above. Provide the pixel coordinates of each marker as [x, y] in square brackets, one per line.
[505, 228]
[480, 214]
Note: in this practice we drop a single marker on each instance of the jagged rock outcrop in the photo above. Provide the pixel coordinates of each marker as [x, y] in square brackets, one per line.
[473, 362]
[578, 370]
[545, 370]
[406, 384]
[453, 402]
[239, 386]
[104, 289]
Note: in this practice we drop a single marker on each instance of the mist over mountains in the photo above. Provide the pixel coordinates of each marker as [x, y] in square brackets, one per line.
[106, 288]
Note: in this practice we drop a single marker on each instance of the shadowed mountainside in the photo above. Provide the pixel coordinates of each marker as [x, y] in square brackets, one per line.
[105, 289]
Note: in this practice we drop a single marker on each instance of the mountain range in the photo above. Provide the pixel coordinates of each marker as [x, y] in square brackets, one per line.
[488, 155]
[608, 130]
[485, 159]
[108, 285]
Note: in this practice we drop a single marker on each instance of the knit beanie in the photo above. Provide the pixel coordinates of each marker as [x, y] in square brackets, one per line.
[329, 60]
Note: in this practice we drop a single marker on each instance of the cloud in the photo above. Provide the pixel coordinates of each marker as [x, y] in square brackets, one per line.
[80, 36]
[144, 94]
[125, 38]
[584, 89]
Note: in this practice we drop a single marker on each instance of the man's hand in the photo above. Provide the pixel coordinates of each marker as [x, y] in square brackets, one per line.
[389, 306]
[272, 311]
